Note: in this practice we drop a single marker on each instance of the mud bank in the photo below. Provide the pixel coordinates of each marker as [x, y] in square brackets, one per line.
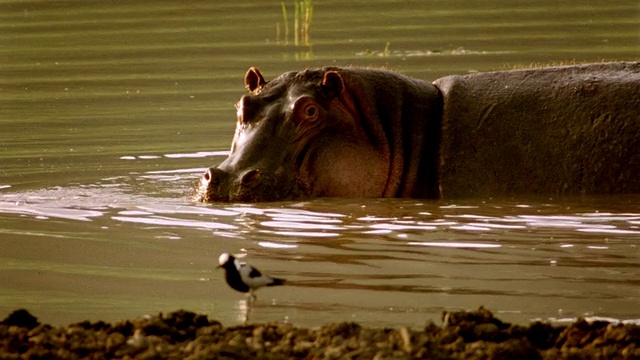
[186, 335]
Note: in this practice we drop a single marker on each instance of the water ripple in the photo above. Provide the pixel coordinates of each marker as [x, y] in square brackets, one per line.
[457, 245]
[164, 221]
[44, 212]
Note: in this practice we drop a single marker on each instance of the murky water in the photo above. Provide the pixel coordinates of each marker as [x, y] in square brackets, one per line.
[108, 112]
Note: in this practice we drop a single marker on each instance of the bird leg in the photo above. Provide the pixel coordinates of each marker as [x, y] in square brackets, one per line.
[247, 313]
[251, 297]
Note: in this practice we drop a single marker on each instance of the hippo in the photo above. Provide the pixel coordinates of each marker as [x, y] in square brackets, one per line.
[362, 132]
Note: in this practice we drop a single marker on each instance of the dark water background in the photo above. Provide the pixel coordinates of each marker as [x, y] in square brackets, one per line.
[110, 110]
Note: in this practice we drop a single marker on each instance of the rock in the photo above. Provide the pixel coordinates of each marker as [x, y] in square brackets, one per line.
[186, 335]
[21, 318]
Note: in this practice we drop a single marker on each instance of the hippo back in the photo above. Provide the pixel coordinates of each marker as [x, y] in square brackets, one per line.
[568, 129]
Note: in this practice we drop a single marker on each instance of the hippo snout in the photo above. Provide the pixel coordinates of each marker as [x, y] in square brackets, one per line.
[213, 185]
[218, 185]
[216, 180]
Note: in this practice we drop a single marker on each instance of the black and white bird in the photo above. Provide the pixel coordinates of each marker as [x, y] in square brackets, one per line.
[244, 277]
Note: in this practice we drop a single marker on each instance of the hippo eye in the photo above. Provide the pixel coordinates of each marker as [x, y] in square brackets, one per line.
[305, 109]
[311, 111]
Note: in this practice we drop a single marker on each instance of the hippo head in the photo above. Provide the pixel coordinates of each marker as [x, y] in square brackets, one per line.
[304, 134]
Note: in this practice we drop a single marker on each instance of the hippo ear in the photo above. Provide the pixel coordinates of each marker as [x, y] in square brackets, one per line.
[332, 84]
[253, 80]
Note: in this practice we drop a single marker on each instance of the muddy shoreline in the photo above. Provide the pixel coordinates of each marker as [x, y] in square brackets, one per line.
[186, 335]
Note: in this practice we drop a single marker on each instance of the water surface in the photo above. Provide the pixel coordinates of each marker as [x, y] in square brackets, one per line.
[108, 113]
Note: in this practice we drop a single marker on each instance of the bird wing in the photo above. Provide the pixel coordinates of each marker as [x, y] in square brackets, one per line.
[254, 272]
[253, 277]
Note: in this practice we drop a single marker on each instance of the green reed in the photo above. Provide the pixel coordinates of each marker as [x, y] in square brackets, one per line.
[302, 15]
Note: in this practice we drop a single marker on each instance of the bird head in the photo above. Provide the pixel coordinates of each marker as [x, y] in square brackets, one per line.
[225, 260]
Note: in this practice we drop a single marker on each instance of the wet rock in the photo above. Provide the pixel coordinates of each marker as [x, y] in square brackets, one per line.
[21, 318]
[186, 335]
[114, 342]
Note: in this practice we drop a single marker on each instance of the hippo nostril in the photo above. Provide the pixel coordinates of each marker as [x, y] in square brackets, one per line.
[250, 177]
[213, 185]
[212, 177]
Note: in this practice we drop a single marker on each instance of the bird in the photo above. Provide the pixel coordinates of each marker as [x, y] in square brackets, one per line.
[245, 278]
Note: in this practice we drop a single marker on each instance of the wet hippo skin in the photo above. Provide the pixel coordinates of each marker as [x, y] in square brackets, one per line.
[559, 130]
[354, 132]
[332, 132]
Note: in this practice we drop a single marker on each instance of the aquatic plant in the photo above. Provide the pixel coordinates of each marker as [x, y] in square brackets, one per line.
[286, 23]
[302, 15]
[387, 49]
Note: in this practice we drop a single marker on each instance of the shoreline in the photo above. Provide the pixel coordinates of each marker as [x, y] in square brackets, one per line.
[186, 335]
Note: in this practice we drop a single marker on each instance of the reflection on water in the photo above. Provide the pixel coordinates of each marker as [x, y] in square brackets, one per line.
[101, 139]
[382, 262]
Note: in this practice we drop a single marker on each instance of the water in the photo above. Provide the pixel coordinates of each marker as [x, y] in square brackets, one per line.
[108, 113]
